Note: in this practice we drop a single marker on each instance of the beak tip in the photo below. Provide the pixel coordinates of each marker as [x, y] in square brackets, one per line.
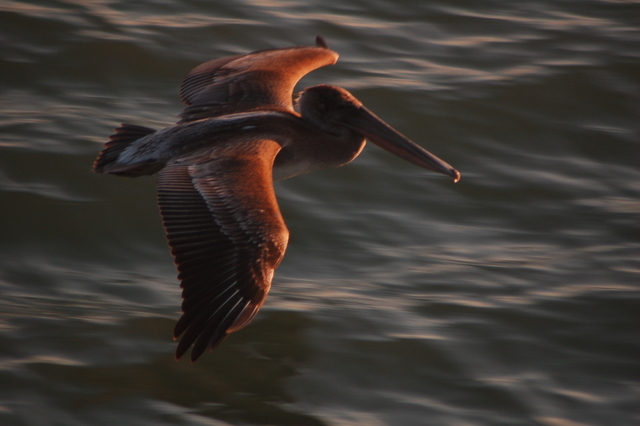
[456, 175]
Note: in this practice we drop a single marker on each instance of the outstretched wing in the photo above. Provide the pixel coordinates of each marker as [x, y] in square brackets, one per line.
[227, 237]
[258, 80]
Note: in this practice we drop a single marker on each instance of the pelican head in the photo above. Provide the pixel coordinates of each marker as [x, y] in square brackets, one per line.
[339, 113]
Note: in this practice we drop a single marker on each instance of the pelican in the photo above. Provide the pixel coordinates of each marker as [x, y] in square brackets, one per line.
[238, 132]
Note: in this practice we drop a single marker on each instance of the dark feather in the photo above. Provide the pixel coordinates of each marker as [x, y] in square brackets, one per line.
[226, 235]
[124, 136]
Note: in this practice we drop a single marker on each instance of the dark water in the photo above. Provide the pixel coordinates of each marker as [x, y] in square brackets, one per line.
[510, 298]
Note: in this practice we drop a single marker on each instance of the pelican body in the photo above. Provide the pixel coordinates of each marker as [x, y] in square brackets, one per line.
[238, 132]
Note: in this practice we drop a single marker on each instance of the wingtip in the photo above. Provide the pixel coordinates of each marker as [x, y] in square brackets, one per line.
[321, 42]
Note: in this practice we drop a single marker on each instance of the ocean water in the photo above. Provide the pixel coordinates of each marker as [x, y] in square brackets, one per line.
[509, 298]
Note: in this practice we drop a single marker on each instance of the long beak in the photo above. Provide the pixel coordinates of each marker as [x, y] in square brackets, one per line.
[377, 131]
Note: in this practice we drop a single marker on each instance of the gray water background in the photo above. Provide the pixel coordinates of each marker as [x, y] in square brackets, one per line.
[509, 298]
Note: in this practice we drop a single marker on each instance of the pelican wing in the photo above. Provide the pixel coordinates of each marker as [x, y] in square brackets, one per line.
[227, 236]
[256, 81]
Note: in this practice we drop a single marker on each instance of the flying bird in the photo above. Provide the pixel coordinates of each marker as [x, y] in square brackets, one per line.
[238, 132]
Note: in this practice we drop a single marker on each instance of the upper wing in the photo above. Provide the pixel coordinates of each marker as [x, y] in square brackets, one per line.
[259, 80]
[227, 236]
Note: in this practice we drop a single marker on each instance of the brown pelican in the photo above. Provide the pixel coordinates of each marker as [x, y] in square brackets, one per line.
[239, 132]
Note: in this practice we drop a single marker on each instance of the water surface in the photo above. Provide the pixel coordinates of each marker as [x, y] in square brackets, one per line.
[509, 298]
